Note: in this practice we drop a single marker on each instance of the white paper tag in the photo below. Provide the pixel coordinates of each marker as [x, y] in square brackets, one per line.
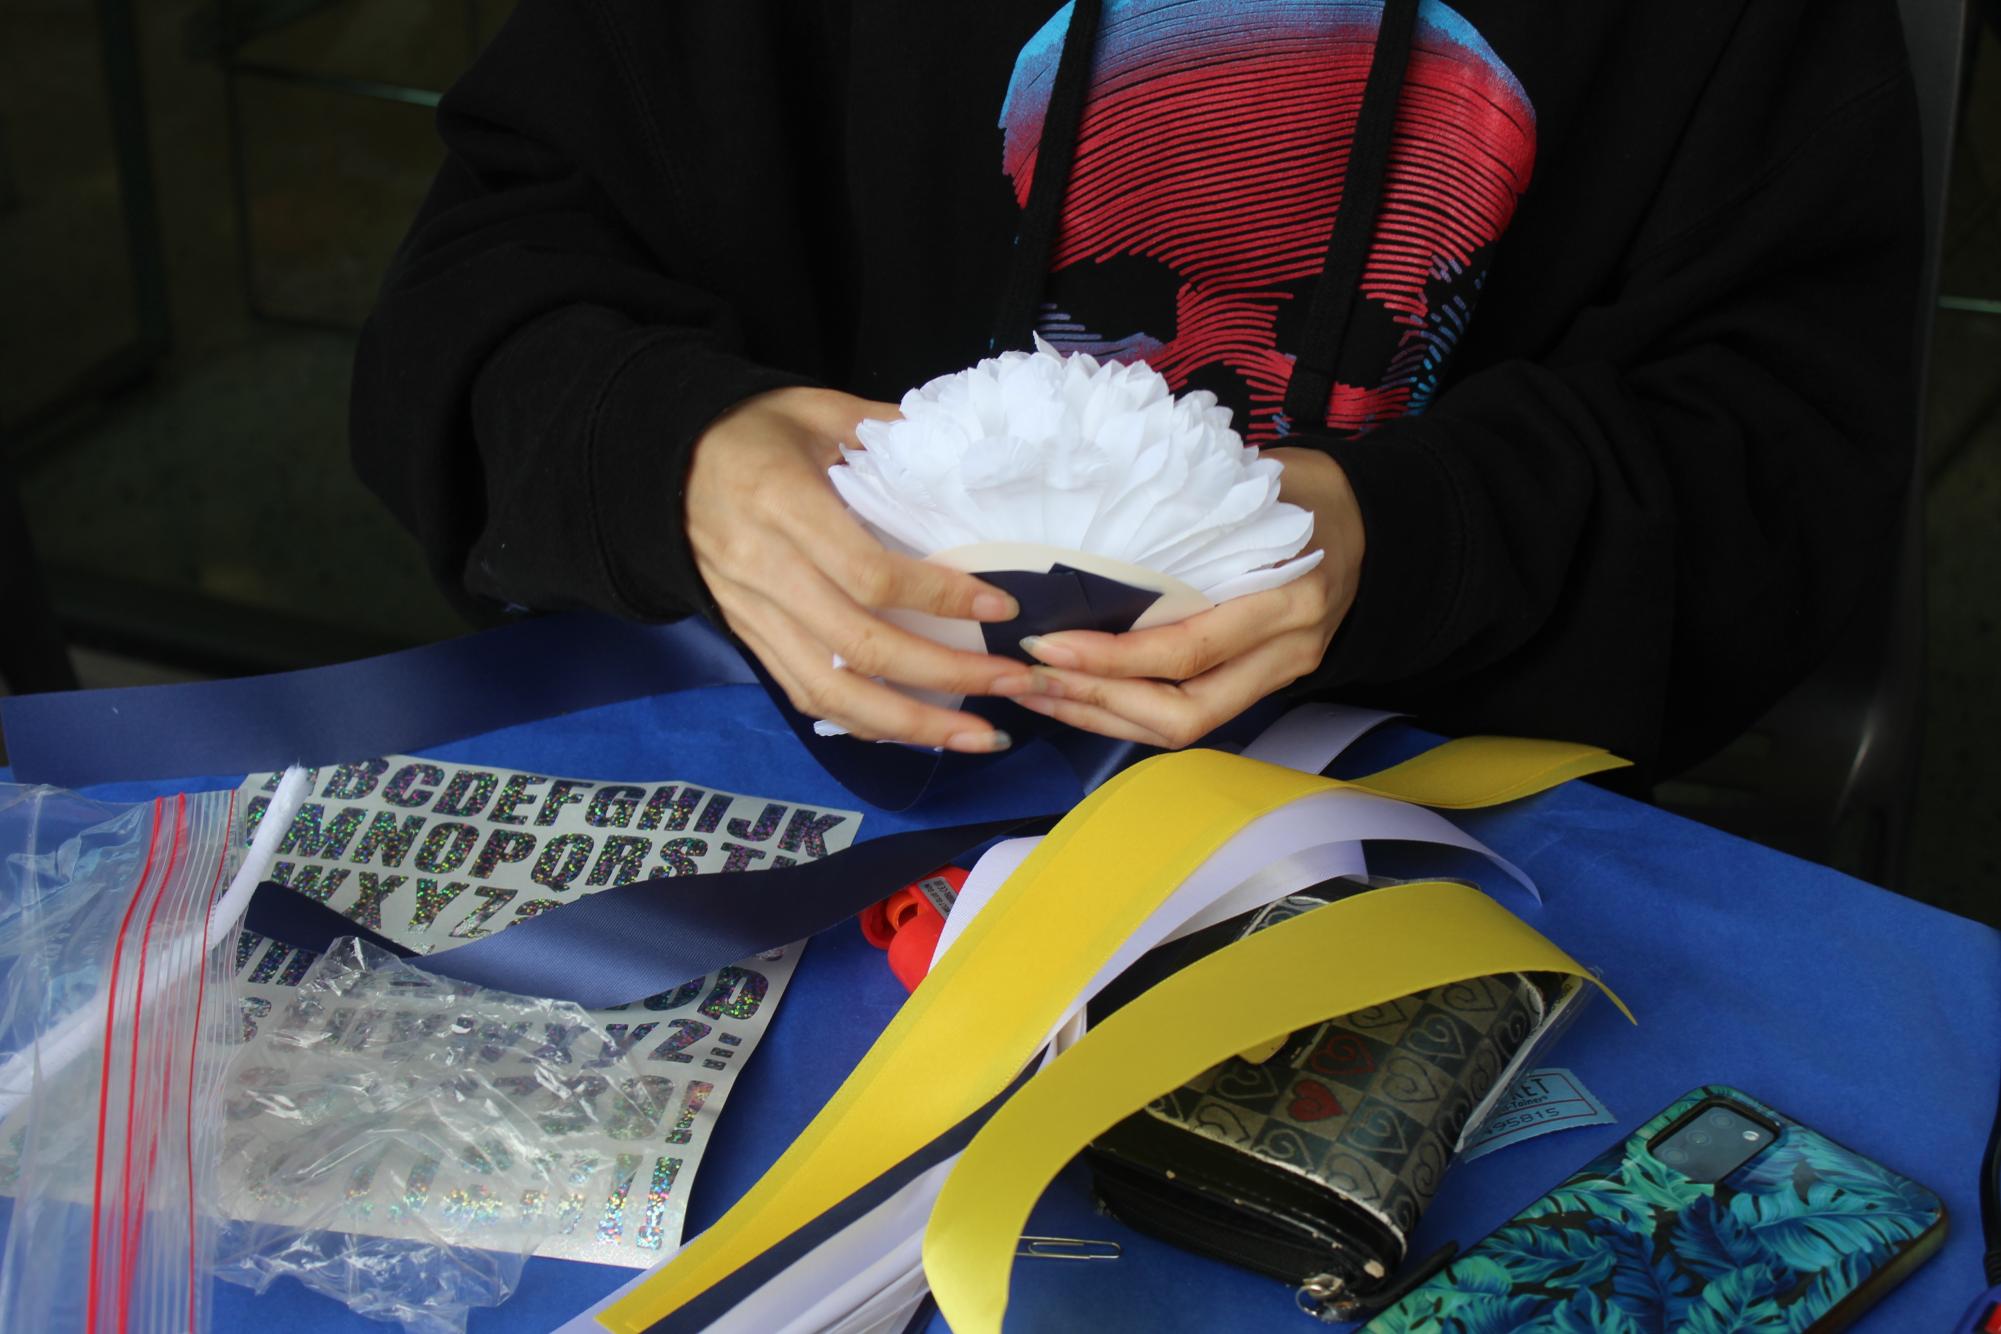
[1540, 1102]
[939, 891]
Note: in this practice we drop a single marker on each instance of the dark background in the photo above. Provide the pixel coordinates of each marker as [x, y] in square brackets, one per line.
[184, 257]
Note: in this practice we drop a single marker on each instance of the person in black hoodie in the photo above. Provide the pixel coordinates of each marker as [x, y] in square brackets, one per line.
[1584, 329]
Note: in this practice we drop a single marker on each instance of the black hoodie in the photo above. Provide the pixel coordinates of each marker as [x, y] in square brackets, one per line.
[1606, 307]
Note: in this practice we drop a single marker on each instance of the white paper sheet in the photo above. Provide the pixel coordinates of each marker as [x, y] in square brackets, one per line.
[1064, 451]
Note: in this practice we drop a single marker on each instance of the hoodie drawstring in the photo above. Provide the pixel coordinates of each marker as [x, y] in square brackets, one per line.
[1054, 152]
[1333, 299]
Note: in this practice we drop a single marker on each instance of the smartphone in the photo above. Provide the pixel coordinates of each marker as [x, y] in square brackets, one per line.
[1719, 1213]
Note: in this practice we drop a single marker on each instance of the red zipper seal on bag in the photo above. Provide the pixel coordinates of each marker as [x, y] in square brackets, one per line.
[134, 1123]
[104, 1072]
[131, 1223]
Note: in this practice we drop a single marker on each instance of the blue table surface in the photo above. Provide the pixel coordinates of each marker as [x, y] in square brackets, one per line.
[1873, 1018]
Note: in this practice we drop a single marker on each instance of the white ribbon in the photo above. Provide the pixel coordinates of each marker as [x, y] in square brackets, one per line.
[868, 1278]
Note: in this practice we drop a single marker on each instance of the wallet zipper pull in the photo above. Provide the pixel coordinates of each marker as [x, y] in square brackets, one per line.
[1320, 1297]
[1326, 1297]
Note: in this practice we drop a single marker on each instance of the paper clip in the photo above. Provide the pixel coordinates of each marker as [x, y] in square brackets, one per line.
[1067, 1248]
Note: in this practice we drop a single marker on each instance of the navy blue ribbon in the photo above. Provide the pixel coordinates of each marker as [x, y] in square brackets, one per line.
[699, 1312]
[1063, 598]
[895, 778]
[639, 940]
[396, 703]
[538, 668]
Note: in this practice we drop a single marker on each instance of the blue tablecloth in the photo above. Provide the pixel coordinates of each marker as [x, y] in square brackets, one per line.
[1871, 1017]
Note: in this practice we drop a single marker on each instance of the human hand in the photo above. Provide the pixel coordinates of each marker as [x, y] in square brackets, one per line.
[799, 580]
[1171, 685]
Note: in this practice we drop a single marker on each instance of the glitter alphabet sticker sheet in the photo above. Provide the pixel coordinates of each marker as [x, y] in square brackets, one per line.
[432, 854]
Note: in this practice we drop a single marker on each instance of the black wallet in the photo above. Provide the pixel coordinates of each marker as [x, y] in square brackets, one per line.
[1313, 1160]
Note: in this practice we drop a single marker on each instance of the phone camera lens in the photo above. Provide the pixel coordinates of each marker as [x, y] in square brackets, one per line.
[1721, 1118]
[1671, 1154]
[1700, 1138]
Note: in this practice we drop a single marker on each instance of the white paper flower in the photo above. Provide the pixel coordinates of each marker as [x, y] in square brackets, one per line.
[1062, 451]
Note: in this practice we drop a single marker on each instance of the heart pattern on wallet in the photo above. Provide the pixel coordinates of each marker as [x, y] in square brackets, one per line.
[1368, 1104]
[1343, 1055]
[1313, 1101]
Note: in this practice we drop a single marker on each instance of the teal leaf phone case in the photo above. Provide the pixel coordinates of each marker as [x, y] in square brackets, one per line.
[1802, 1237]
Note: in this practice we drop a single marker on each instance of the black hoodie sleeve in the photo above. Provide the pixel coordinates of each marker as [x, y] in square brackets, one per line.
[1644, 537]
[529, 346]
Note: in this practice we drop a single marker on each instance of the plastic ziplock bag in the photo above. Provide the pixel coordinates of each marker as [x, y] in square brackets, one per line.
[397, 1137]
[113, 1011]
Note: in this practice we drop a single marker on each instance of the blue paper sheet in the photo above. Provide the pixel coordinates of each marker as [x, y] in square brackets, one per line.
[1873, 1018]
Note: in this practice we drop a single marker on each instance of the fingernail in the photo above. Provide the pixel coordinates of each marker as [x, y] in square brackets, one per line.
[1012, 685]
[992, 606]
[1046, 683]
[1041, 704]
[975, 742]
[1035, 646]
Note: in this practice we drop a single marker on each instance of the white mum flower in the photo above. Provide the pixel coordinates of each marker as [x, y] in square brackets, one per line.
[1063, 451]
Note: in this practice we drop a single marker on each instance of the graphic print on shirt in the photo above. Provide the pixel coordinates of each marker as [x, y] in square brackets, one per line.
[1209, 169]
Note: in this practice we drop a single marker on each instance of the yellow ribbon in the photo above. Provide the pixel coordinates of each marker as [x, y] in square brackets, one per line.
[989, 1005]
[1418, 937]
[1475, 771]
